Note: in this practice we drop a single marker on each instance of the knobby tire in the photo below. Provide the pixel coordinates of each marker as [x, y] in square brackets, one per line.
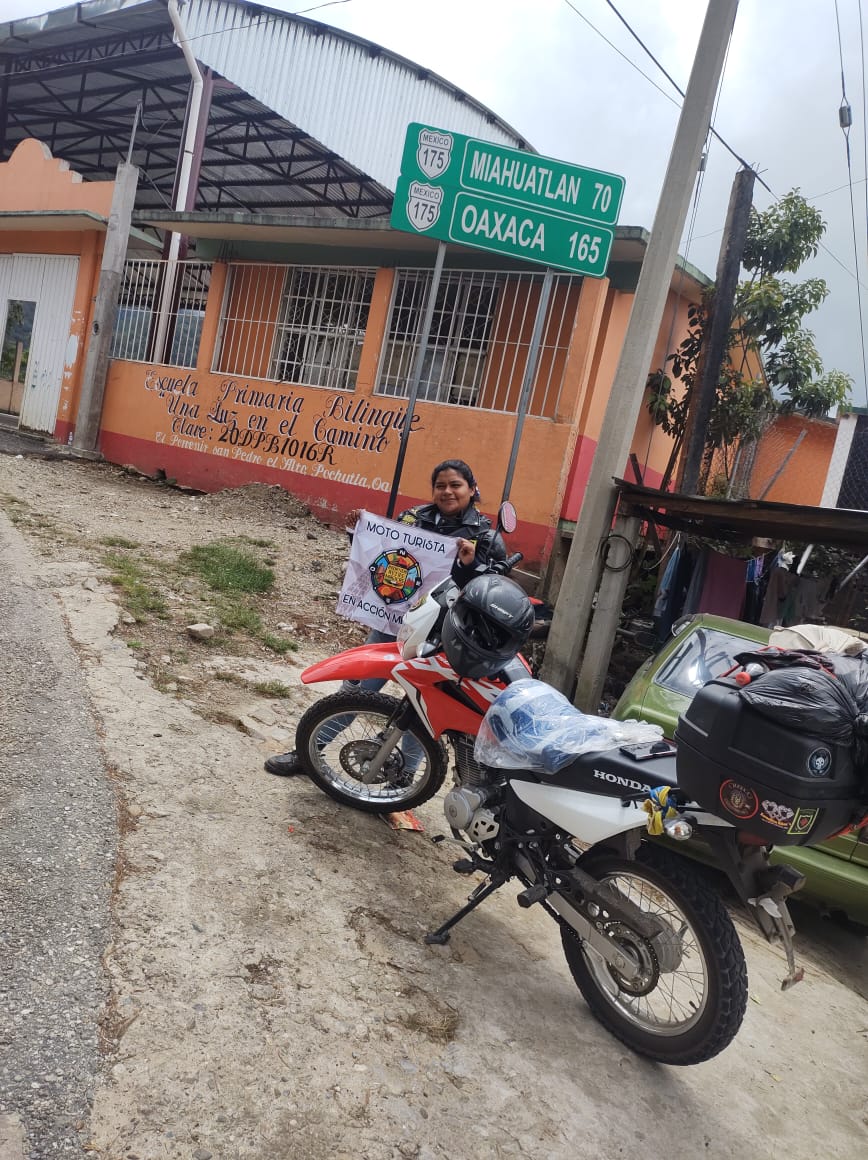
[369, 706]
[723, 960]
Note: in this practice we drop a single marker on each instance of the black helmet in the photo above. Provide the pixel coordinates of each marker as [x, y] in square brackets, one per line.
[486, 626]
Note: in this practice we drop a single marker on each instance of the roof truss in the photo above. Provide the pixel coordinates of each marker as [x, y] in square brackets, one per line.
[81, 99]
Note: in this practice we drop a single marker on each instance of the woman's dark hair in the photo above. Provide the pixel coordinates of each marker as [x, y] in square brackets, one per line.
[463, 469]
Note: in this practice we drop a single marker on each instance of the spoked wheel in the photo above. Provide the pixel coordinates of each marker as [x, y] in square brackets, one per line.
[340, 736]
[688, 999]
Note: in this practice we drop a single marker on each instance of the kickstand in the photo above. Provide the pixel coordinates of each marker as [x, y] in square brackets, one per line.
[440, 936]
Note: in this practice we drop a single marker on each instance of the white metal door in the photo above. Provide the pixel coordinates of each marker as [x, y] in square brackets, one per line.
[5, 278]
[50, 282]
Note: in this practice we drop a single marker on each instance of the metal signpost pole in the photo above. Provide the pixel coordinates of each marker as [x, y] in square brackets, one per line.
[529, 373]
[416, 374]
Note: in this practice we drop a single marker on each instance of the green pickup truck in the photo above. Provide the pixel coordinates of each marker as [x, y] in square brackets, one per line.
[836, 871]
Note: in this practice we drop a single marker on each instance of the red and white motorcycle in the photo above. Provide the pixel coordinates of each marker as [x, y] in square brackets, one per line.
[649, 944]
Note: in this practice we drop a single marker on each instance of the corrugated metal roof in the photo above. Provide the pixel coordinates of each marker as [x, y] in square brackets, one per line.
[339, 88]
[303, 118]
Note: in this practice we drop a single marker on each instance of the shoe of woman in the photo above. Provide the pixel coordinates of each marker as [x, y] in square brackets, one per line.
[284, 764]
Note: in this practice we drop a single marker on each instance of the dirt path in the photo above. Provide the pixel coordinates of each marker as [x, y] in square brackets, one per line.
[271, 995]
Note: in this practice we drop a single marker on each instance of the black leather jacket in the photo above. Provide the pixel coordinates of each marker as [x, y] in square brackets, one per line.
[470, 524]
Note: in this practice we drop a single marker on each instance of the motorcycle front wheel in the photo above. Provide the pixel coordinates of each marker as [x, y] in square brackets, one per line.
[339, 736]
[687, 1002]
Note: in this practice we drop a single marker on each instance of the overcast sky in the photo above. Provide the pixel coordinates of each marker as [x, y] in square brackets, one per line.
[541, 67]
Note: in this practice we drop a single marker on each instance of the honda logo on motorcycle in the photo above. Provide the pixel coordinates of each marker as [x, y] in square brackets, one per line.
[614, 779]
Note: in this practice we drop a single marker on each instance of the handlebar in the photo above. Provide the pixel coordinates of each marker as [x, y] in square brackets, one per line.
[510, 562]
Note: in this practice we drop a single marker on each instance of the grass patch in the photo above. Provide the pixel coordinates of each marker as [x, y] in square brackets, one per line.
[118, 542]
[272, 689]
[226, 568]
[135, 644]
[140, 598]
[278, 644]
[239, 617]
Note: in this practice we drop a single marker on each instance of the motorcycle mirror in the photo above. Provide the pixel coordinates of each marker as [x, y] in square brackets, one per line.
[507, 520]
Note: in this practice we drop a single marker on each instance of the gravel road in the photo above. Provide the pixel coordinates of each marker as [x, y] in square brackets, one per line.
[57, 851]
[263, 992]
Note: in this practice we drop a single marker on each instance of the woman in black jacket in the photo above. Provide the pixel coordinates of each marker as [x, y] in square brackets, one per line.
[452, 512]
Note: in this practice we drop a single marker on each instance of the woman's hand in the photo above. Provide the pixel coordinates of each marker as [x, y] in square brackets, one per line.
[466, 550]
[353, 518]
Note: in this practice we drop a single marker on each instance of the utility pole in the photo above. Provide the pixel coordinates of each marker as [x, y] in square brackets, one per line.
[717, 328]
[619, 423]
[105, 311]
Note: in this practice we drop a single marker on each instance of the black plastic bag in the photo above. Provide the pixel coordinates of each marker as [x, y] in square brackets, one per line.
[852, 672]
[809, 700]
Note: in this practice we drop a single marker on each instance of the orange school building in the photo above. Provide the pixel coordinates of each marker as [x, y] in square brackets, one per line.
[282, 352]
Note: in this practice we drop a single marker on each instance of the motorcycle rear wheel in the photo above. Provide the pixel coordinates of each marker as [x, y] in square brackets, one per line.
[684, 1012]
[339, 734]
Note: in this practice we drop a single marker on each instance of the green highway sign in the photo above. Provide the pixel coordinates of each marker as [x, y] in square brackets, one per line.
[534, 234]
[502, 227]
[541, 182]
[459, 189]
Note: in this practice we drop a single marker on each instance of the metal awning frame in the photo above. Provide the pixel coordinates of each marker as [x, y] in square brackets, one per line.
[741, 521]
[249, 148]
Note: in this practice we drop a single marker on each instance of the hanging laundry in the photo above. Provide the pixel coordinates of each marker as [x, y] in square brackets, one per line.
[723, 590]
[697, 581]
[792, 599]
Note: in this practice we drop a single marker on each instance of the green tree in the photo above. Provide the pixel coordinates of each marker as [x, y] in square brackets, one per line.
[768, 316]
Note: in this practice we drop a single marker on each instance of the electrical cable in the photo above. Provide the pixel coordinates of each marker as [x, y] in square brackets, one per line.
[677, 87]
[740, 159]
[845, 120]
[630, 62]
[682, 258]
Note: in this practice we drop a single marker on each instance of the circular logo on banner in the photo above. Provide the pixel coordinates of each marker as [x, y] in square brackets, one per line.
[819, 762]
[738, 799]
[395, 576]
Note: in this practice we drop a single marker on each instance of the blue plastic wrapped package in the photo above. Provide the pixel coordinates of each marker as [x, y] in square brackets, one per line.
[533, 726]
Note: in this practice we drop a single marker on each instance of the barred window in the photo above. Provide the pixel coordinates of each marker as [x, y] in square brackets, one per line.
[480, 337]
[161, 309]
[460, 330]
[298, 324]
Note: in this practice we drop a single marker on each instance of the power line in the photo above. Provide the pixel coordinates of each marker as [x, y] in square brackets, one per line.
[845, 119]
[623, 55]
[714, 132]
[677, 87]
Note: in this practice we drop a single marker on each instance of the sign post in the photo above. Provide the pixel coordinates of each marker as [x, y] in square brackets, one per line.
[506, 201]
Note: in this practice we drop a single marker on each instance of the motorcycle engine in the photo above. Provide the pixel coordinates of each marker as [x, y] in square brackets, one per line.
[465, 805]
[465, 810]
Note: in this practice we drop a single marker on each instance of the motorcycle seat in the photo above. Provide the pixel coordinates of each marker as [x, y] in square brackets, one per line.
[621, 772]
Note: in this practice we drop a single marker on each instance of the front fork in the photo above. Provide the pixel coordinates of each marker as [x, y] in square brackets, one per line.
[404, 718]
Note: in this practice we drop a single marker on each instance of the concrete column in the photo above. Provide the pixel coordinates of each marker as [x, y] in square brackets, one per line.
[573, 609]
[87, 420]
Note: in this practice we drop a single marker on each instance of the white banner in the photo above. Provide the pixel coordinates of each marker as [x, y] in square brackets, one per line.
[391, 565]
